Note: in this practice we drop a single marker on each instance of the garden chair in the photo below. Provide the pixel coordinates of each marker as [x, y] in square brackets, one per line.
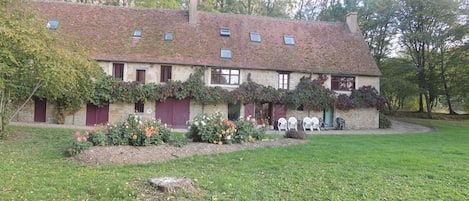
[292, 123]
[340, 123]
[315, 124]
[307, 124]
[282, 124]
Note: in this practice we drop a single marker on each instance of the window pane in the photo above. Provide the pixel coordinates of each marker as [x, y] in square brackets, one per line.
[225, 32]
[224, 79]
[255, 37]
[289, 40]
[168, 36]
[52, 24]
[224, 76]
[225, 53]
[165, 73]
[140, 76]
[234, 79]
[137, 33]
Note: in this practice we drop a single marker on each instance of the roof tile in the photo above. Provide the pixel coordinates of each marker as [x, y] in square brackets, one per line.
[320, 47]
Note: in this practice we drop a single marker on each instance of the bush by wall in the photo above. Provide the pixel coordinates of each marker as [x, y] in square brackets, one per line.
[214, 128]
[133, 131]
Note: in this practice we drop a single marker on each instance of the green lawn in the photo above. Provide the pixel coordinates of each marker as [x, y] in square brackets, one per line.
[425, 166]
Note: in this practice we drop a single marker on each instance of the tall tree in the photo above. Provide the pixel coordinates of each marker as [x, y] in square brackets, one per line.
[378, 23]
[33, 65]
[419, 22]
[165, 4]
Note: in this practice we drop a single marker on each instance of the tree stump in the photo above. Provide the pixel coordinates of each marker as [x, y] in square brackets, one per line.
[171, 184]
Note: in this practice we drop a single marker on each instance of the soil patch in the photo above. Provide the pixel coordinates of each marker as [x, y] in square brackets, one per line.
[120, 155]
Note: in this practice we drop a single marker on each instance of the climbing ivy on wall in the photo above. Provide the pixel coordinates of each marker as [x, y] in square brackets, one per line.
[311, 94]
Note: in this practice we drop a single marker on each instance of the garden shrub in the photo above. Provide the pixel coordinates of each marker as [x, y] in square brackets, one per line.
[295, 134]
[214, 128]
[384, 122]
[79, 143]
[134, 131]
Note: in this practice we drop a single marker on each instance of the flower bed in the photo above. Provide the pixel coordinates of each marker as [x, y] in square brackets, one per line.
[214, 128]
[134, 131]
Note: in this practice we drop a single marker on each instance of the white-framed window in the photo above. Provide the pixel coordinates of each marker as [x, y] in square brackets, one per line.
[224, 76]
[283, 80]
[343, 83]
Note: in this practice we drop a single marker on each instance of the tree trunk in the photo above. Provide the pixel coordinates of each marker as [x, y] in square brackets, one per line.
[421, 103]
[429, 107]
[445, 83]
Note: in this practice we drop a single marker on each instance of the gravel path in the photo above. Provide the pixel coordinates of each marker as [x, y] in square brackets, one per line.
[120, 155]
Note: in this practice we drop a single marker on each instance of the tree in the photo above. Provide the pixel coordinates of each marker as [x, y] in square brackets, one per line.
[378, 23]
[420, 21]
[397, 82]
[165, 4]
[34, 64]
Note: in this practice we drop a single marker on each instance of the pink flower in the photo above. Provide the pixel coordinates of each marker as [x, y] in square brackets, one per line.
[78, 139]
[84, 139]
[77, 134]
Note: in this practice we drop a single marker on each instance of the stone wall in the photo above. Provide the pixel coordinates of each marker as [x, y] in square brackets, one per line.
[363, 118]
[26, 114]
[196, 108]
[79, 118]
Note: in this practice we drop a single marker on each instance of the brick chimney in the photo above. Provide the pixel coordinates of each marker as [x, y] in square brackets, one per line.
[352, 22]
[193, 12]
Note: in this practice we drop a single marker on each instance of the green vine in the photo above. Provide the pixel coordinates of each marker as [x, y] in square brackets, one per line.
[311, 94]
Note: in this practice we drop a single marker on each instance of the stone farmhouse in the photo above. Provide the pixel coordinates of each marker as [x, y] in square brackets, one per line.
[155, 45]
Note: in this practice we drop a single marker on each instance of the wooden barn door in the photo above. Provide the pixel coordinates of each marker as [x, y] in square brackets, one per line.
[173, 112]
[40, 110]
[96, 115]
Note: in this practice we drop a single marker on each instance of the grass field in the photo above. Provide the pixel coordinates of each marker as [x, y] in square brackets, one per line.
[425, 166]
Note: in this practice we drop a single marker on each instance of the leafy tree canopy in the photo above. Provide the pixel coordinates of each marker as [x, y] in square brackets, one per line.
[34, 64]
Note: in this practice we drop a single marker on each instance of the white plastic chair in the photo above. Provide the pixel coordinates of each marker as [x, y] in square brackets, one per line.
[307, 124]
[315, 124]
[292, 123]
[282, 124]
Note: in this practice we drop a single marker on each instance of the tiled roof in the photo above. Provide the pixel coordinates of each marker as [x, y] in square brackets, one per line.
[320, 47]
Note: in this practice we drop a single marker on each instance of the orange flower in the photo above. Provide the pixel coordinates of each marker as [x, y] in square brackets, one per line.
[220, 143]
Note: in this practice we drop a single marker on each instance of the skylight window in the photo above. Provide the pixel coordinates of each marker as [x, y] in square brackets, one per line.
[255, 37]
[53, 24]
[168, 36]
[137, 33]
[225, 53]
[289, 40]
[225, 32]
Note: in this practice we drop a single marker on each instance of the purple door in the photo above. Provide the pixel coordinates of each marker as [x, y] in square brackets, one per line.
[279, 112]
[96, 115]
[249, 110]
[173, 112]
[40, 110]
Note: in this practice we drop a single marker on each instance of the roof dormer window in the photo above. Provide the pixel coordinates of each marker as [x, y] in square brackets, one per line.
[225, 32]
[137, 33]
[168, 36]
[225, 53]
[52, 24]
[289, 40]
[255, 37]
